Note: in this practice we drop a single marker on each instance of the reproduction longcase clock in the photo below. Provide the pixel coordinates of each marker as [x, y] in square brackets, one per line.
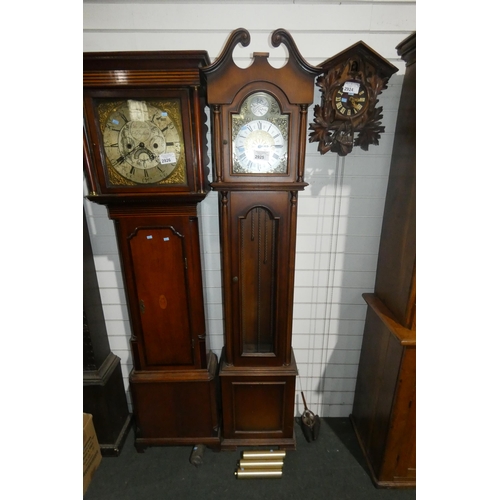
[145, 156]
[259, 128]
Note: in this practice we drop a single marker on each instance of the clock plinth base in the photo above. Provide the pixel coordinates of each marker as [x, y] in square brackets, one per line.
[277, 444]
[258, 405]
[176, 407]
[104, 398]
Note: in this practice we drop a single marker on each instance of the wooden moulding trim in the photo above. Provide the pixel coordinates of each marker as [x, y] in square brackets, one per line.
[167, 201]
[102, 374]
[179, 441]
[225, 79]
[254, 372]
[407, 49]
[139, 77]
[134, 211]
[404, 335]
[282, 36]
[384, 68]
[259, 186]
[177, 375]
[259, 371]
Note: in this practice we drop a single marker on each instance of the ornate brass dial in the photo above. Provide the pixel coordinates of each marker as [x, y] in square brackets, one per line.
[142, 140]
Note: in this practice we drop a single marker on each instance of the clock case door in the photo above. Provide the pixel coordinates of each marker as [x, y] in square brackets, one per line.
[259, 263]
[161, 267]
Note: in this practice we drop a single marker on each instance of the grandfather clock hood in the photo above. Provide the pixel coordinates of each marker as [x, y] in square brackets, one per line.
[228, 85]
[293, 78]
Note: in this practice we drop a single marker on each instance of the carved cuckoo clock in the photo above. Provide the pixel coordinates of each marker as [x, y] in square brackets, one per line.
[350, 85]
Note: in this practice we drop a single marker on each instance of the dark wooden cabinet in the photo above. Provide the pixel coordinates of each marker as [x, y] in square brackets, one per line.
[145, 151]
[259, 117]
[103, 390]
[384, 409]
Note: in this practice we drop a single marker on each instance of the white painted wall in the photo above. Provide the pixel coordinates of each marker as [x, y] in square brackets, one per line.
[340, 213]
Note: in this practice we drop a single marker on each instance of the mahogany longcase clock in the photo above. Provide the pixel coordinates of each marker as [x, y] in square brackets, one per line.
[146, 160]
[259, 124]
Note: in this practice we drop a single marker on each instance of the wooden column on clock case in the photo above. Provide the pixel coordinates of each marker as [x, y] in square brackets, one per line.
[258, 218]
[174, 380]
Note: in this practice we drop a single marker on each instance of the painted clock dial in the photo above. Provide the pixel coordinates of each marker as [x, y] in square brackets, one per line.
[350, 99]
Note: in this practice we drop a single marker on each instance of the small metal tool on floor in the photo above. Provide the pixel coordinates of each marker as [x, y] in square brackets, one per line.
[309, 422]
[196, 457]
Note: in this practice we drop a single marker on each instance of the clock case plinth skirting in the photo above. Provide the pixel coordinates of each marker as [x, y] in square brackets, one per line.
[384, 409]
[104, 398]
[186, 406]
[103, 389]
[258, 407]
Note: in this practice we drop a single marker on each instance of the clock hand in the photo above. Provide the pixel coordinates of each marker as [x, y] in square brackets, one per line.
[150, 153]
[123, 157]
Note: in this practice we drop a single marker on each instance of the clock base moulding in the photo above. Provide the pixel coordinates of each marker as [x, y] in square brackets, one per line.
[185, 406]
[258, 407]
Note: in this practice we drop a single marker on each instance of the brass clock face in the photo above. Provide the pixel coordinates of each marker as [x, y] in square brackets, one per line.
[143, 141]
[350, 99]
[260, 137]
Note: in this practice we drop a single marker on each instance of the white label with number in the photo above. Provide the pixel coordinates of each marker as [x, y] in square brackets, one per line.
[351, 87]
[260, 155]
[166, 158]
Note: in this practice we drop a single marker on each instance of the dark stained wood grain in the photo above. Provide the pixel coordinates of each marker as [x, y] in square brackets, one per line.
[384, 409]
